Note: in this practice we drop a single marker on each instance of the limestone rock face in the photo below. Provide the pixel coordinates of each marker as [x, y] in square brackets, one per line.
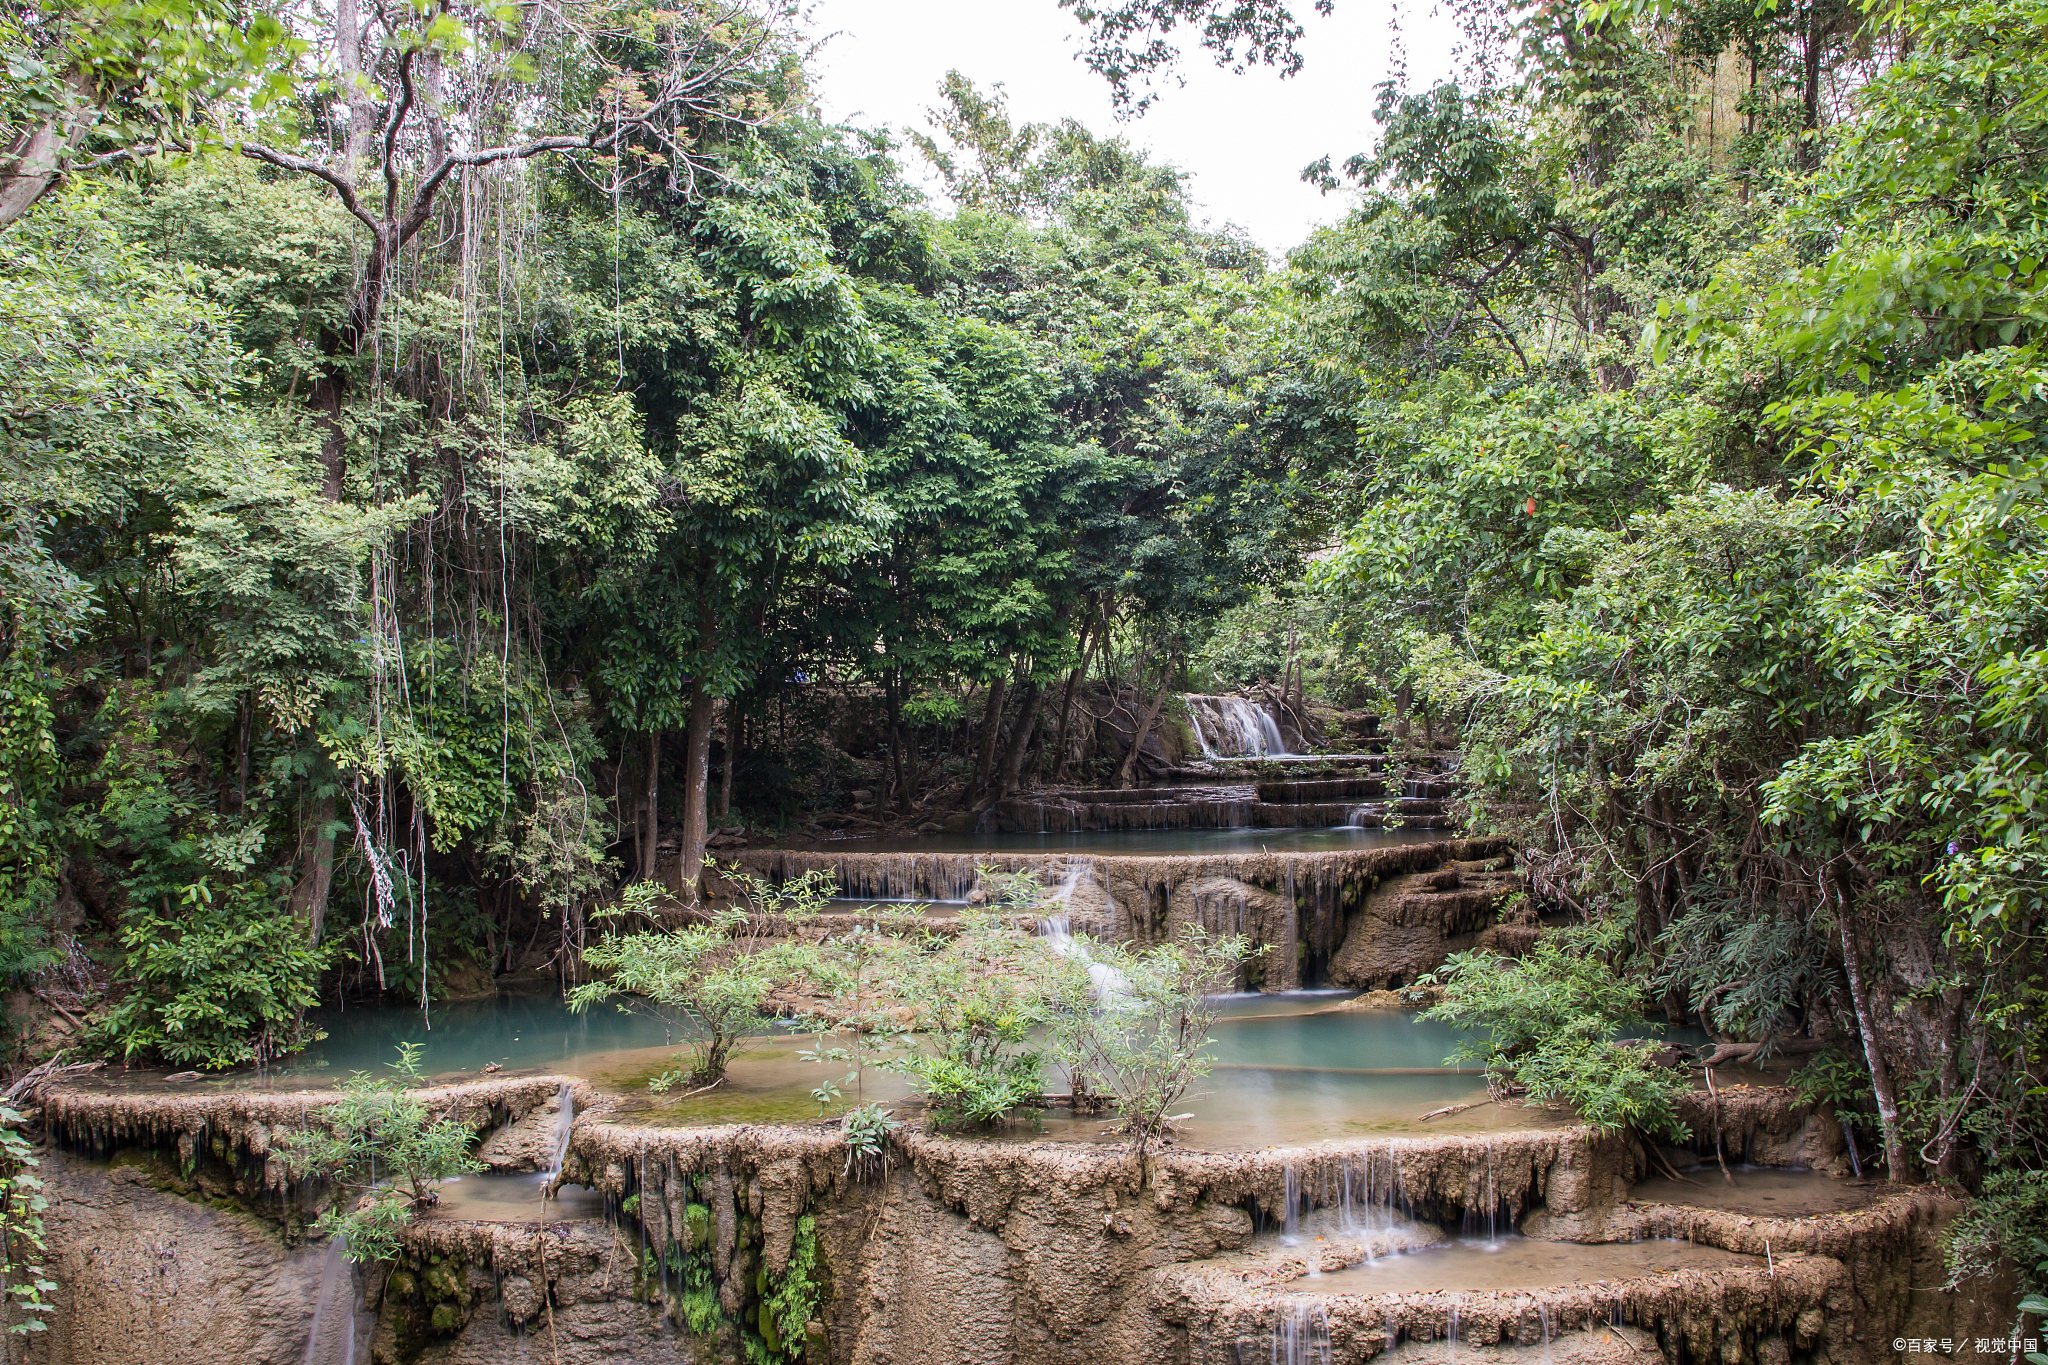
[149, 1278]
[962, 1252]
[1410, 923]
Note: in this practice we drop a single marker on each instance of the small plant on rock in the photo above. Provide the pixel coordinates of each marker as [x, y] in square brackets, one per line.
[383, 1152]
[866, 1129]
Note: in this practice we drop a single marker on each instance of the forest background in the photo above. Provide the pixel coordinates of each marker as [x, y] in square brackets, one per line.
[439, 440]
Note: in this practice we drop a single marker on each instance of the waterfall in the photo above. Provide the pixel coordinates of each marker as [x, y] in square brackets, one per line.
[332, 1338]
[565, 1120]
[1233, 727]
[1301, 1334]
[1058, 931]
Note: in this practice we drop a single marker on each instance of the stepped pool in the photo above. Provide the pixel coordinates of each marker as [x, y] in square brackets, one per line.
[1515, 1263]
[1139, 842]
[1288, 1068]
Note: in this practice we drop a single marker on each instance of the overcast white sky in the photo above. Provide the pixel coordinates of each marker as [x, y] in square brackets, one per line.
[1243, 138]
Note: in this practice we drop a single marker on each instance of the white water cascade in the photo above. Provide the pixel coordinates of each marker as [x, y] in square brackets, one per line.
[1301, 1334]
[332, 1339]
[1233, 727]
[565, 1122]
[1058, 932]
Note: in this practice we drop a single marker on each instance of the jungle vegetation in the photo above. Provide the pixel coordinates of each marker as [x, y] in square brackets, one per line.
[449, 452]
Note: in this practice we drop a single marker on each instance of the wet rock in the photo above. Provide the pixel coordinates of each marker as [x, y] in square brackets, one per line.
[522, 1298]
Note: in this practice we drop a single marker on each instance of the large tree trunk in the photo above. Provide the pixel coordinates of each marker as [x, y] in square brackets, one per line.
[1866, 1024]
[316, 869]
[991, 725]
[1020, 741]
[34, 161]
[1126, 773]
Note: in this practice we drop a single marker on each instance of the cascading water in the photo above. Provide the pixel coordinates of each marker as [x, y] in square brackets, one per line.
[1301, 1334]
[1290, 1215]
[332, 1338]
[1058, 931]
[1233, 727]
[565, 1122]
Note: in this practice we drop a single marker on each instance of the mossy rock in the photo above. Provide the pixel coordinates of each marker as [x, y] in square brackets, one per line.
[446, 1319]
[442, 1282]
[403, 1286]
[698, 1219]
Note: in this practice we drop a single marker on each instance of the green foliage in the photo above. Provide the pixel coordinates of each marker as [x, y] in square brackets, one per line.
[977, 1004]
[220, 977]
[866, 1130]
[24, 1290]
[1998, 1230]
[31, 818]
[1550, 1020]
[382, 1151]
[790, 1299]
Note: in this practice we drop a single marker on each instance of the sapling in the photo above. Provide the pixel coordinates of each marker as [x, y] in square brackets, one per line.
[383, 1152]
[1145, 1041]
[710, 980]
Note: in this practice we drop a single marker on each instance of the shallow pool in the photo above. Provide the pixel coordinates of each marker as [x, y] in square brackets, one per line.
[1517, 1263]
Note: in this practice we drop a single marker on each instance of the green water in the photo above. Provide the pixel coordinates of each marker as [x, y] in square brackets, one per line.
[1288, 1069]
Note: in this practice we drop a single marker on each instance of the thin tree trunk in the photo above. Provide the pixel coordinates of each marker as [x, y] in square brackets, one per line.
[696, 783]
[732, 756]
[316, 869]
[1091, 636]
[1866, 1024]
[650, 811]
[892, 695]
[1125, 774]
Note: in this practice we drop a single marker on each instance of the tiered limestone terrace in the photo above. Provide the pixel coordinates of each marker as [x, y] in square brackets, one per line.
[1369, 918]
[1376, 1231]
[176, 1237]
[1348, 791]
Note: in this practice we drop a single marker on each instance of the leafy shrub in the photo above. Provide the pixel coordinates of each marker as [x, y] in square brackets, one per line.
[976, 1004]
[1136, 1022]
[1550, 1020]
[710, 980]
[383, 1152]
[226, 980]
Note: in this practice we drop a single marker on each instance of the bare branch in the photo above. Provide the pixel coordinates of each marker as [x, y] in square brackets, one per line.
[285, 161]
